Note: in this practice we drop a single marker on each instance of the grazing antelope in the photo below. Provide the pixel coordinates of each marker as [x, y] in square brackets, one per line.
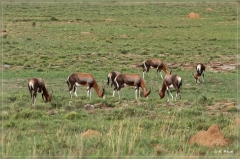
[37, 85]
[111, 76]
[83, 79]
[169, 82]
[130, 80]
[200, 68]
[153, 63]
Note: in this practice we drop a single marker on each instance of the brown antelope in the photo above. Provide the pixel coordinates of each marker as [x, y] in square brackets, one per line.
[111, 76]
[83, 79]
[130, 80]
[37, 85]
[169, 82]
[200, 68]
[153, 63]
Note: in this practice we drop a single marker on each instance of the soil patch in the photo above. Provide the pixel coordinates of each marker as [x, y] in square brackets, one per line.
[214, 67]
[212, 137]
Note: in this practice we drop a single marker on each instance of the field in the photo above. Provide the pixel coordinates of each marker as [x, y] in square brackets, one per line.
[53, 40]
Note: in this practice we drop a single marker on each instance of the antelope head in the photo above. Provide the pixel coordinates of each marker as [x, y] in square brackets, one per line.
[196, 77]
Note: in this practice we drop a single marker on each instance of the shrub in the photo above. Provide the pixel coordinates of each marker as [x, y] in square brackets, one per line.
[30, 114]
[75, 115]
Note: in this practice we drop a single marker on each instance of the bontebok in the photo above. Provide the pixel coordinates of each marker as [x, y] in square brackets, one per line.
[200, 68]
[83, 79]
[130, 80]
[153, 63]
[169, 82]
[111, 76]
[37, 85]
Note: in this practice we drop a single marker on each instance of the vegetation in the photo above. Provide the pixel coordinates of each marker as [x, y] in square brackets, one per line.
[52, 40]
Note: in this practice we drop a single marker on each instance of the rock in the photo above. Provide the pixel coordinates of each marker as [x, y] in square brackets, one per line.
[89, 107]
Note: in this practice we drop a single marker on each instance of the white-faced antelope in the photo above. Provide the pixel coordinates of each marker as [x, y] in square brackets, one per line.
[83, 79]
[169, 82]
[37, 85]
[200, 68]
[153, 63]
[111, 76]
[130, 80]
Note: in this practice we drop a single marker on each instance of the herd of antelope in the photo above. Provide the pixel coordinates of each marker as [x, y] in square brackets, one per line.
[119, 80]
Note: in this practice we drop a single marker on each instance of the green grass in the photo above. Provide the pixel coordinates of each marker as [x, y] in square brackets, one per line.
[52, 40]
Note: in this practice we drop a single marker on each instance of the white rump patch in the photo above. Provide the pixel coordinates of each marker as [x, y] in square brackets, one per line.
[198, 67]
[31, 84]
[179, 79]
[78, 84]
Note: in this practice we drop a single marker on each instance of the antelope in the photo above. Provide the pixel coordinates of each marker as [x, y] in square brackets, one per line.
[169, 82]
[130, 80]
[153, 63]
[83, 79]
[111, 76]
[37, 85]
[200, 68]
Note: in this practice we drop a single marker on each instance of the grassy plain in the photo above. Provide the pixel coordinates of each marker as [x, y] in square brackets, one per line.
[52, 40]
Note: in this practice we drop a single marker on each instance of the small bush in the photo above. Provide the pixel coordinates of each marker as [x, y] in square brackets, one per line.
[10, 124]
[124, 51]
[30, 114]
[120, 114]
[232, 109]
[54, 19]
[202, 100]
[75, 115]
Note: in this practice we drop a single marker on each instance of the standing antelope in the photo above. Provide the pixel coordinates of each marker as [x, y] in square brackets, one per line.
[130, 80]
[153, 63]
[200, 68]
[111, 76]
[37, 85]
[83, 79]
[169, 82]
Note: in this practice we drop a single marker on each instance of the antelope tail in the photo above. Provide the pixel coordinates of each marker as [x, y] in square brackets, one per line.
[108, 80]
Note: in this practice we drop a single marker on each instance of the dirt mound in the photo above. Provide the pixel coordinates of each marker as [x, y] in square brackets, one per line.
[91, 133]
[209, 138]
[193, 15]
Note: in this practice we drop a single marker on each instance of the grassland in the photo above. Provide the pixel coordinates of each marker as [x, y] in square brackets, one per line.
[52, 40]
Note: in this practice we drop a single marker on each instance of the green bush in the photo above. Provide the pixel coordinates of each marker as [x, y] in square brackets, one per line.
[76, 115]
[30, 114]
